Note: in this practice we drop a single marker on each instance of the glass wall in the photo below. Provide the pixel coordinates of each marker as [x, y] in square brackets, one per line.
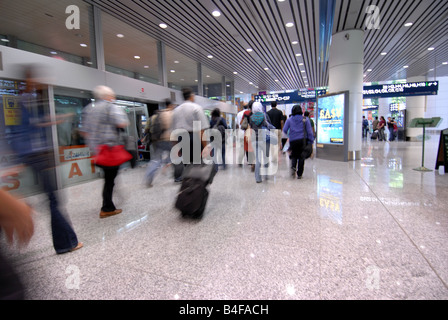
[213, 84]
[181, 71]
[75, 160]
[129, 52]
[44, 27]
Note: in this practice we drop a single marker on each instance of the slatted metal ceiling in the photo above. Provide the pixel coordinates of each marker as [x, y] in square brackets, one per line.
[260, 25]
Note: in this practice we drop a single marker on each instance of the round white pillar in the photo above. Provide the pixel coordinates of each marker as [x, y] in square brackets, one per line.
[415, 108]
[346, 73]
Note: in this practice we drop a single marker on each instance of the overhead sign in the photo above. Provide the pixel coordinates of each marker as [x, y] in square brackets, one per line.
[424, 88]
[291, 97]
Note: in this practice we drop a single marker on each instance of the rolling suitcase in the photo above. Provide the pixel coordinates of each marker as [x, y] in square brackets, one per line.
[375, 135]
[193, 196]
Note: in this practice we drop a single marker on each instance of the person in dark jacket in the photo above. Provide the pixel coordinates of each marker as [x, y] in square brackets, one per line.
[299, 128]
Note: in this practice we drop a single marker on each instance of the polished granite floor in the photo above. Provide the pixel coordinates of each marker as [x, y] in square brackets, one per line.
[371, 229]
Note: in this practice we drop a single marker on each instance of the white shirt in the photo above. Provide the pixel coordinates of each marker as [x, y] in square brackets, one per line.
[186, 114]
[239, 118]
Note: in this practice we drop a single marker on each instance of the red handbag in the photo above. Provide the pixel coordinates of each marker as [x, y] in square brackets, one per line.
[112, 156]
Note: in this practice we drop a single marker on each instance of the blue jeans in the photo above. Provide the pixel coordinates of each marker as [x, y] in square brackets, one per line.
[157, 161]
[64, 237]
[260, 150]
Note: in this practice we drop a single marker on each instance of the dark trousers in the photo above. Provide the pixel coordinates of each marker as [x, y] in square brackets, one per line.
[110, 173]
[11, 287]
[297, 162]
[64, 237]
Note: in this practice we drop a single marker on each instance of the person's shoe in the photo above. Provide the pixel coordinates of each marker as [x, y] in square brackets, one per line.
[299, 177]
[110, 214]
[293, 172]
[178, 180]
[79, 246]
[252, 168]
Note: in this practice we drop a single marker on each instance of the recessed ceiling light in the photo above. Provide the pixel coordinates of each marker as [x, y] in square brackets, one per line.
[303, 71]
[409, 24]
[210, 56]
[146, 67]
[83, 45]
[137, 57]
[173, 71]
[250, 83]
[53, 52]
[406, 67]
[235, 72]
[276, 80]
[431, 49]
[383, 53]
[298, 55]
[249, 50]
[290, 25]
[216, 13]
[120, 35]
[163, 26]
[176, 61]
[430, 70]
[5, 40]
[445, 63]
[266, 69]
[369, 70]
[295, 42]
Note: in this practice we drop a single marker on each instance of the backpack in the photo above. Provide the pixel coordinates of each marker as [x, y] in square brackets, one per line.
[155, 128]
[244, 123]
[220, 127]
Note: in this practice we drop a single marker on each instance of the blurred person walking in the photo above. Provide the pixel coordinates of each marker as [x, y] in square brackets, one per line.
[245, 125]
[160, 128]
[300, 133]
[258, 123]
[184, 117]
[31, 140]
[381, 129]
[102, 121]
[276, 117]
[240, 136]
[219, 123]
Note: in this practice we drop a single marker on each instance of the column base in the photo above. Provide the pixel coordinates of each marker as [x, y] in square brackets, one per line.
[354, 155]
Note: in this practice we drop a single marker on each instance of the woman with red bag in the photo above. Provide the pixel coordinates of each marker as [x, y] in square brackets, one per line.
[102, 121]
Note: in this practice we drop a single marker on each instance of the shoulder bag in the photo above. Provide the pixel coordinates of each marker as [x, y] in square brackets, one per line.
[308, 149]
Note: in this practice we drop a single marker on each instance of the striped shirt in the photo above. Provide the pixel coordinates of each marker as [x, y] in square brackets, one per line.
[100, 121]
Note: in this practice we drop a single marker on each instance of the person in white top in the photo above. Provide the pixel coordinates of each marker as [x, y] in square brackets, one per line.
[184, 118]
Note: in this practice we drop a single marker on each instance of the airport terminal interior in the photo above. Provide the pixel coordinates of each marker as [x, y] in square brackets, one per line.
[368, 218]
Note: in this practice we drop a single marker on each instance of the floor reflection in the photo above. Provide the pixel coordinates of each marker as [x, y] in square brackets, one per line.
[330, 193]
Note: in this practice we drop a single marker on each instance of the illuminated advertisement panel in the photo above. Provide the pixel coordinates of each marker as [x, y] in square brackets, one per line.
[331, 119]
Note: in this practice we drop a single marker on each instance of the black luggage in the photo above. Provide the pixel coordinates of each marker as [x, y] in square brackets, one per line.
[192, 198]
[375, 135]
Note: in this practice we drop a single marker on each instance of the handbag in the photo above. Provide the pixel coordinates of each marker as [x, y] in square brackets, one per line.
[308, 149]
[114, 156]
